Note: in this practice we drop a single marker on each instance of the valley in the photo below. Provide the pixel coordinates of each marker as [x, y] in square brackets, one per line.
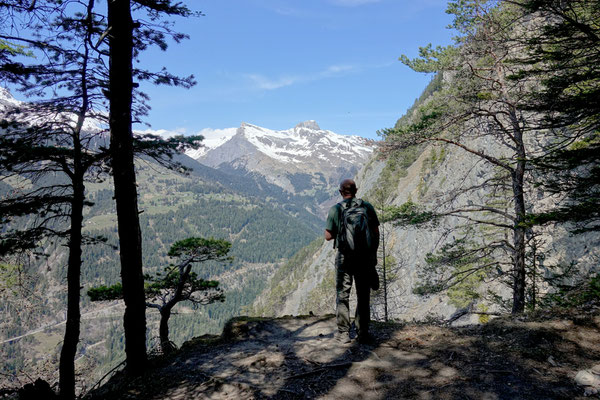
[266, 223]
[487, 192]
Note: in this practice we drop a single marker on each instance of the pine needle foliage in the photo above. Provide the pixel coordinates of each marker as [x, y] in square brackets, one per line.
[177, 282]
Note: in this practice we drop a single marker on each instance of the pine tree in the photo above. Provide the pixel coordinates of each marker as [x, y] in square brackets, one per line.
[51, 146]
[564, 59]
[478, 102]
[523, 75]
[120, 95]
[48, 144]
[126, 40]
[388, 267]
[178, 283]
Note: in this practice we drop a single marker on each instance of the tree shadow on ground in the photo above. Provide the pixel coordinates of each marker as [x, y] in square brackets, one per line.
[503, 360]
[298, 358]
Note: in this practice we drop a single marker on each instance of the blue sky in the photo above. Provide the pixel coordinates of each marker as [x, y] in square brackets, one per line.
[275, 63]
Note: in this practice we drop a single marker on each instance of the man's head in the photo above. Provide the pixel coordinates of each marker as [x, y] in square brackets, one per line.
[348, 188]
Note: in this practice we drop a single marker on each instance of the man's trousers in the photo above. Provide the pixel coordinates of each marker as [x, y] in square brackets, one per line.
[347, 271]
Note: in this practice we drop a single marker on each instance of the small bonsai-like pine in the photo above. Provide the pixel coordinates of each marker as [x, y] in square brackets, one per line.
[177, 283]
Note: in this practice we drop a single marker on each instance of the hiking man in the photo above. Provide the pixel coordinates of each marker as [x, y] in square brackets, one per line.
[354, 225]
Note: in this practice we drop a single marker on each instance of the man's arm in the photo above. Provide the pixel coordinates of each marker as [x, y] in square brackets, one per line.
[328, 235]
[331, 224]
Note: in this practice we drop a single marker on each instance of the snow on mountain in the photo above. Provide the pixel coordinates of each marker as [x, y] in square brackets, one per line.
[305, 160]
[7, 100]
[8, 103]
[306, 142]
[213, 138]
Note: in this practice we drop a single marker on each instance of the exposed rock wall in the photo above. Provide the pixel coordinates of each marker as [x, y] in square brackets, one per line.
[435, 174]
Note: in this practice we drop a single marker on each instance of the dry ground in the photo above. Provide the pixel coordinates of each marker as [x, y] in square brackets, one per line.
[298, 358]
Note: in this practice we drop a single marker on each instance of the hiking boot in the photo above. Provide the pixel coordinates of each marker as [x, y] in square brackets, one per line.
[342, 337]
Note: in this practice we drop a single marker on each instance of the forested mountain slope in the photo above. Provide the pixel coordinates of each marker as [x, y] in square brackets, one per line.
[265, 223]
[174, 206]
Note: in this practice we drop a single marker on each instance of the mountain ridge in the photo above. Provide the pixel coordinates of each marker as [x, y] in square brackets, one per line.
[304, 160]
[287, 145]
[265, 223]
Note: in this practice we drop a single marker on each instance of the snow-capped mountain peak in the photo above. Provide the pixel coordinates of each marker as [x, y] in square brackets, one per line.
[282, 156]
[213, 138]
[28, 112]
[311, 124]
[305, 142]
[7, 99]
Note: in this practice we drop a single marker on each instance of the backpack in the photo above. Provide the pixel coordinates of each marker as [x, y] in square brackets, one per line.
[354, 235]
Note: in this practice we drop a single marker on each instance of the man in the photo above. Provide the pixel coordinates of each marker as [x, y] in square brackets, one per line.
[352, 265]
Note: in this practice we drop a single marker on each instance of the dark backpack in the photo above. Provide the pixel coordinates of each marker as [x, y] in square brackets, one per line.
[354, 236]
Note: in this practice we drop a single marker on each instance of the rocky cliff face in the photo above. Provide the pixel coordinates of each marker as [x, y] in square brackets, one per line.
[429, 176]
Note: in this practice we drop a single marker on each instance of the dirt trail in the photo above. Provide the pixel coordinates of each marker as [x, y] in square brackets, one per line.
[298, 358]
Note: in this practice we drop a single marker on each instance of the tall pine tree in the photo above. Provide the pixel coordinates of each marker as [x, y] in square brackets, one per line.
[477, 105]
[53, 144]
[49, 148]
[126, 40]
[564, 59]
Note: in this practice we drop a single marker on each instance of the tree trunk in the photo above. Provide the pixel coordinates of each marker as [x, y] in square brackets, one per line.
[72, 326]
[384, 274]
[165, 310]
[519, 229]
[534, 276]
[121, 142]
[519, 259]
[163, 330]
[71, 339]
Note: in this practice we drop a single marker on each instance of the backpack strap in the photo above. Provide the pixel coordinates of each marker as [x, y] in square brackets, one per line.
[342, 206]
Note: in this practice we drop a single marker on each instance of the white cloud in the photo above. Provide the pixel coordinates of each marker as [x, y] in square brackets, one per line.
[265, 83]
[352, 3]
[336, 69]
[290, 12]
